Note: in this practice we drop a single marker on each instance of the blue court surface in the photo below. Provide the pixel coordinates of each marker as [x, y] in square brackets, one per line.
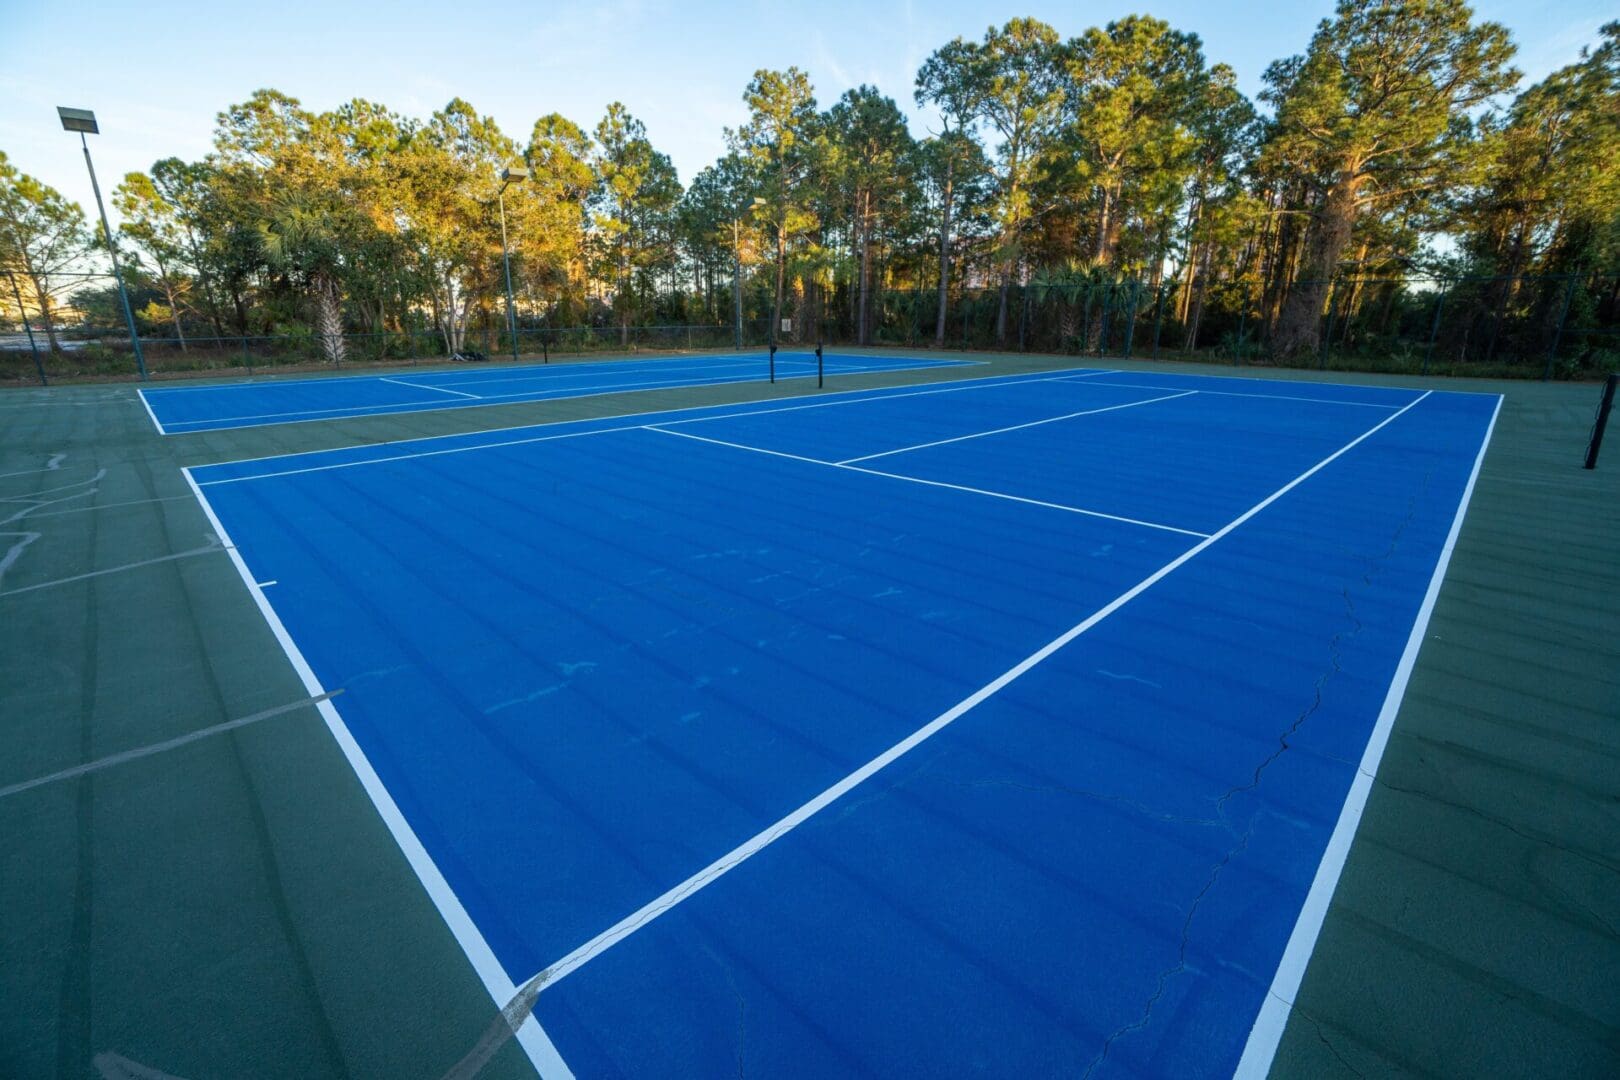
[1012, 726]
[180, 409]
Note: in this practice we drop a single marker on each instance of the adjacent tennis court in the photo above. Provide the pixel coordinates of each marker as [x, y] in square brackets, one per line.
[180, 409]
[1016, 725]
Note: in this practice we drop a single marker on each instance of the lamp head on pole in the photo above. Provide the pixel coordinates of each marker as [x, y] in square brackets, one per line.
[80, 120]
[514, 174]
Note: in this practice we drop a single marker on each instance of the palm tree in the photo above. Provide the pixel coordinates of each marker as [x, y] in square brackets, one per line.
[1061, 285]
[302, 240]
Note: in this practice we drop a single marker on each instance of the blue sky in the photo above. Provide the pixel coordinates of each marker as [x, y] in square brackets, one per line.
[156, 73]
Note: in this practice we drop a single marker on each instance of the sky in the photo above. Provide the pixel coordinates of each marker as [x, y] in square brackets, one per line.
[157, 73]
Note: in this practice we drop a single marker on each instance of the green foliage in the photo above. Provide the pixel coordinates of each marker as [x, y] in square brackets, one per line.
[1070, 165]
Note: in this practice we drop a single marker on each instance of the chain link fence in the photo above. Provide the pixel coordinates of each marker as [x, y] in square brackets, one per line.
[1520, 326]
[1524, 326]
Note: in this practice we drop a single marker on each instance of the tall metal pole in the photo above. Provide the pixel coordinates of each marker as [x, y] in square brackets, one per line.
[736, 274]
[506, 261]
[33, 346]
[112, 250]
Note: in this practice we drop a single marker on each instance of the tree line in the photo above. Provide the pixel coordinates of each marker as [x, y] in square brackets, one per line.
[1398, 142]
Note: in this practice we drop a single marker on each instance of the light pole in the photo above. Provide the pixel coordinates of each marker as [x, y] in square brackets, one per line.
[516, 174]
[84, 122]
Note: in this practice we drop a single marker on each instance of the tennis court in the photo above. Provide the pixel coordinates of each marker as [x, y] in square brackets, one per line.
[1016, 725]
[180, 409]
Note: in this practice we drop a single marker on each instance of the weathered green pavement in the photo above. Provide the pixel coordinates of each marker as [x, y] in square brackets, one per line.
[233, 906]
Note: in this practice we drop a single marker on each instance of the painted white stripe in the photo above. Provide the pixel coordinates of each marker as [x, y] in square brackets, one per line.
[1016, 427]
[425, 386]
[515, 398]
[52, 464]
[834, 398]
[1264, 1037]
[206, 550]
[436, 369]
[561, 373]
[141, 393]
[156, 748]
[670, 898]
[866, 396]
[1265, 397]
[934, 483]
[534, 1040]
[110, 506]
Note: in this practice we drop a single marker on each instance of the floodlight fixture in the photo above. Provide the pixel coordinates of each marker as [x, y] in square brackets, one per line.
[80, 120]
[512, 174]
[83, 121]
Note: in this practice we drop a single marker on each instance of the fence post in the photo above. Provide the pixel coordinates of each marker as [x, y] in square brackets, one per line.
[1243, 321]
[1434, 326]
[1023, 317]
[1158, 318]
[1552, 353]
[1102, 326]
[1327, 338]
[1130, 318]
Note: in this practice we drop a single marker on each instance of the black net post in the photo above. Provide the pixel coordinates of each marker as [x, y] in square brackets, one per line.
[545, 349]
[773, 361]
[819, 372]
[1130, 318]
[1605, 406]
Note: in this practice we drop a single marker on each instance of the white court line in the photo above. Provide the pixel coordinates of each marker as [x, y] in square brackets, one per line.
[1263, 397]
[837, 397]
[516, 398]
[108, 506]
[141, 393]
[207, 550]
[572, 961]
[562, 372]
[440, 368]
[155, 748]
[845, 398]
[425, 386]
[1017, 427]
[52, 464]
[933, 483]
[542, 1053]
[1261, 1047]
